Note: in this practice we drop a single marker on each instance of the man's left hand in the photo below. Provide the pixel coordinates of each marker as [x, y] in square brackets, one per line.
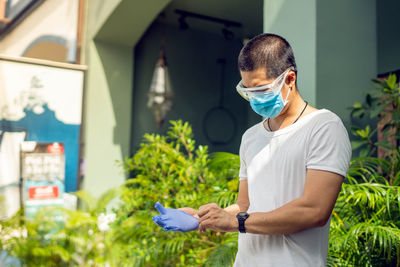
[215, 218]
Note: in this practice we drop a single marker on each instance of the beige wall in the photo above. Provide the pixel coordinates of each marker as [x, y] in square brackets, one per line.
[52, 18]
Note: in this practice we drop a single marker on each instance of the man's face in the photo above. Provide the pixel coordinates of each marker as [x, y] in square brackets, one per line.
[258, 77]
[255, 78]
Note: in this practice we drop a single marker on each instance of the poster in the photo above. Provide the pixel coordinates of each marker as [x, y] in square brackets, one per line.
[40, 101]
[43, 174]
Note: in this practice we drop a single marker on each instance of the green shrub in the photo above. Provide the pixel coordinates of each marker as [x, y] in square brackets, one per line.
[60, 237]
[366, 219]
[172, 170]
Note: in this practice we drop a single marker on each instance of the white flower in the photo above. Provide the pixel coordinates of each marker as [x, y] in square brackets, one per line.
[104, 220]
[100, 245]
[16, 233]
[90, 232]
[47, 236]
[24, 233]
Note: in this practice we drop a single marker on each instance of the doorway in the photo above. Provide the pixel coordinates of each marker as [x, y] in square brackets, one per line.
[201, 52]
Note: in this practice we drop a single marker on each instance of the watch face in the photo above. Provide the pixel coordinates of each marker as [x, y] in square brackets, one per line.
[243, 215]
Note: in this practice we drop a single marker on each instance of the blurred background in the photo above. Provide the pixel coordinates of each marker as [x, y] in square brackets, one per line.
[115, 46]
[93, 92]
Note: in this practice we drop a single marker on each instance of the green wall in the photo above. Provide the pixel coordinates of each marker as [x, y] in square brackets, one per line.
[335, 48]
[346, 53]
[107, 120]
[295, 20]
[388, 35]
[107, 50]
[192, 63]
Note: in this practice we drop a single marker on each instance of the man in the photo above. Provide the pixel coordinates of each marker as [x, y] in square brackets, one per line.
[292, 166]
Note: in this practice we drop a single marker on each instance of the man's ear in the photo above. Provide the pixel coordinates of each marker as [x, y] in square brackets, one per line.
[291, 79]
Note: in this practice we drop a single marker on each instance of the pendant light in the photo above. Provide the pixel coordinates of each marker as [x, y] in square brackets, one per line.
[160, 94]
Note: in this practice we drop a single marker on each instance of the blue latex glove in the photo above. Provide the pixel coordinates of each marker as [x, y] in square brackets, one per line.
[175, 220]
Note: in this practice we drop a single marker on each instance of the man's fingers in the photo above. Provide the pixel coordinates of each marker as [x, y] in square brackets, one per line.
[204, 217]
[202, 212]
[206, 224]
[202, 227]
[160, 208]
[206, 208]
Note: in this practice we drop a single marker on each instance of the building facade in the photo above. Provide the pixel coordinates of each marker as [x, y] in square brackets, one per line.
[339, 47]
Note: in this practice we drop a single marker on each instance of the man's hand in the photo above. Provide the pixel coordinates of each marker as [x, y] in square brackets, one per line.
[214, 218]
[175, 220]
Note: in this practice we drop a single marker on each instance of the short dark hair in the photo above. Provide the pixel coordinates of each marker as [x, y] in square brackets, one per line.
[269, 51]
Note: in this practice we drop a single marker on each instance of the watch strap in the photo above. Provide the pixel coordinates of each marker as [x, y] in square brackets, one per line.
[242, 229]
[242, 216]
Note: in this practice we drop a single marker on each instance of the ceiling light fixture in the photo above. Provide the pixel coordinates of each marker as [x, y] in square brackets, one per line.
[229, 35]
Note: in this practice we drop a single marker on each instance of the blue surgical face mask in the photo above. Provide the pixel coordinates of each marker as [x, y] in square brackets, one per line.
[266, 100]
[268, 105]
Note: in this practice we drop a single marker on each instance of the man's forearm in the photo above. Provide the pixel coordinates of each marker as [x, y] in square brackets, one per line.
[236, 208]
[233, 209]
[288, 219]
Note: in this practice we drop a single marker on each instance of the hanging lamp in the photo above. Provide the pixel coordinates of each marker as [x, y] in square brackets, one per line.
[160, 94]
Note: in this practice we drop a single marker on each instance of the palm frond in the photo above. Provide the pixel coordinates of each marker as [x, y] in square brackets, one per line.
[364, 194]
[225, 163]
[105, 199]
[88, 202]
[224, 254]
[380, 238]
[227, 198]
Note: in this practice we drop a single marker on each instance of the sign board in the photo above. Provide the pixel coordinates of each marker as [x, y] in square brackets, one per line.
[40, 101]
[43, 174]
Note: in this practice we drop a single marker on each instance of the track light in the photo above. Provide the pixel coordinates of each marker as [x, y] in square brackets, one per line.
[182, 23]
[228, 35]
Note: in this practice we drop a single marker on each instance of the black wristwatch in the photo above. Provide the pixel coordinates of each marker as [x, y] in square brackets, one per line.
[242, 216]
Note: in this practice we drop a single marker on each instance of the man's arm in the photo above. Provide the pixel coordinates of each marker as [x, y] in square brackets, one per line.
[242, 202]
[313, 209]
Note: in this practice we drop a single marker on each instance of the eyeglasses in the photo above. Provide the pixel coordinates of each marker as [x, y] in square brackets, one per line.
[271, 88]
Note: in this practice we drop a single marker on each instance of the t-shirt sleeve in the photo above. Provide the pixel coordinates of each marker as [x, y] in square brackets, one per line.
[330, 148]
[243, 168]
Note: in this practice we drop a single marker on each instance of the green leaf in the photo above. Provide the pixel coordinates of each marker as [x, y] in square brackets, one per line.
[396, 181]
[396, 115]
[357, 144]
[362, 133]
[357, 105]
[365, 152]
[385, 144]
[367, 129]
[369, 99]
[375, 112]
[357, 113]
[377, 82]
[391, 81]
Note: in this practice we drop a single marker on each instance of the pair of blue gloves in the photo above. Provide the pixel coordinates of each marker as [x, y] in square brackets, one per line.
[175, 220]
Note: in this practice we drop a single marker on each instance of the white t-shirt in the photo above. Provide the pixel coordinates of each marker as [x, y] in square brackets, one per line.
[275, 165]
